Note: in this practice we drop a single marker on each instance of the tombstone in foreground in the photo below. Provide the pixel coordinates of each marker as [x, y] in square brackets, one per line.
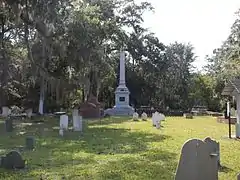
[9, 124]
[238, 177]
[13, 160]
[197, 162]
[30, 143]
[214, 148]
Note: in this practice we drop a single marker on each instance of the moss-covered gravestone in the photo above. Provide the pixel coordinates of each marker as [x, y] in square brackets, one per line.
[30, 143]
[9, 124]
[13, 160]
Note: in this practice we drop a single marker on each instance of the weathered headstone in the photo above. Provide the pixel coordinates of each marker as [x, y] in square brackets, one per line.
[77, 123]
[13, 160]
[154, 118]
[188, 115]
[214, 148]
[135, 116]
[197, 162]
[30, 143]
[29, 112]
[144, 116]
[238, 177]
[9, 124]
[158, 123]
[161, 117]
[61, 130]
[64, 122]
[5, 111]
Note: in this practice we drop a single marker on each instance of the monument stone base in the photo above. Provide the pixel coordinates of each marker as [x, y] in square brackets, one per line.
[120, 111]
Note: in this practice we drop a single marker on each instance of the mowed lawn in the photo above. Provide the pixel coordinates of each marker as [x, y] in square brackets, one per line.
[115, 148]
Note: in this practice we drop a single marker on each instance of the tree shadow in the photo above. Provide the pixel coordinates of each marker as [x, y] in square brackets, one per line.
[151, 165]
[225, 169]
[59, 155]
[110, 120]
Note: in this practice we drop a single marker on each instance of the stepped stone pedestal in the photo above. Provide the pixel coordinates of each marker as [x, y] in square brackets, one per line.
[122, 107]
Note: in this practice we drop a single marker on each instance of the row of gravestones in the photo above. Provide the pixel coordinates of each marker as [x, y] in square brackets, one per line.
[77, 122]
[156, 118]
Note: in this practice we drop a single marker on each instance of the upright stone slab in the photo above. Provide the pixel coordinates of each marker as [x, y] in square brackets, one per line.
[214, 148]
[30, 143]
[29, 112]
[238, 177]
[135, 116]
[9, 124]
[5, 111]
[13, 160]
[196, 162]
[144, 116]
[61, 131]
[77, 123]
[64, 122]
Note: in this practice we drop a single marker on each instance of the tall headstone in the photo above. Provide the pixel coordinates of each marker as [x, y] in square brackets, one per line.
[197, 162]
[64, 122]
[5, 111]
[122, 107]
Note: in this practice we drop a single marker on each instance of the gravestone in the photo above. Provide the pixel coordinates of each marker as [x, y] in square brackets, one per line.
[61, 130]
[161, 117]
[197, 162]
[154, 116]
[9, 124]
[135, 116]
[214, 148]
[64, 122]
[158, 123]
[77, 121]
[13, 160]
[238, 177]
[5, 111]
[188, 115]
[30, 143]
[29, 112]
[144, 116]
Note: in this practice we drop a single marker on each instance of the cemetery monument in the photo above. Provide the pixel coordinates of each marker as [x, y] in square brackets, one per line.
[122, 107]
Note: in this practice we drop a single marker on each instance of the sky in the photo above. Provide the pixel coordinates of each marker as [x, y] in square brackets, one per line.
[203, 23]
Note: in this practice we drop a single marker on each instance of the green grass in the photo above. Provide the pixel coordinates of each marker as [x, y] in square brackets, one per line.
[115, 148]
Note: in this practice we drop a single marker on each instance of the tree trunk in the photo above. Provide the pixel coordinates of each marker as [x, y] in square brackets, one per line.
[41, 98]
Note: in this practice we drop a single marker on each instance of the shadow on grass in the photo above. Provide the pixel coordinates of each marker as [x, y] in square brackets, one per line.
[151, 165]
[59, 156]
[110, 120]
[225, 169]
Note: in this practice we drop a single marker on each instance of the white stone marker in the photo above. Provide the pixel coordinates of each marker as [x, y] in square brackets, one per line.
[77, 123]
[29, 112]
[155, 118]
[64, 122]
[158, 123]
[144, 116]
[5, 111]
[135, 116]
[61, 131]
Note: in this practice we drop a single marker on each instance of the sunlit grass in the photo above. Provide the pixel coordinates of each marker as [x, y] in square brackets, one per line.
[115, 148]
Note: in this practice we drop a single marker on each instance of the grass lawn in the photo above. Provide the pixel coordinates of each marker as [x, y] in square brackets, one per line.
[115, 148]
